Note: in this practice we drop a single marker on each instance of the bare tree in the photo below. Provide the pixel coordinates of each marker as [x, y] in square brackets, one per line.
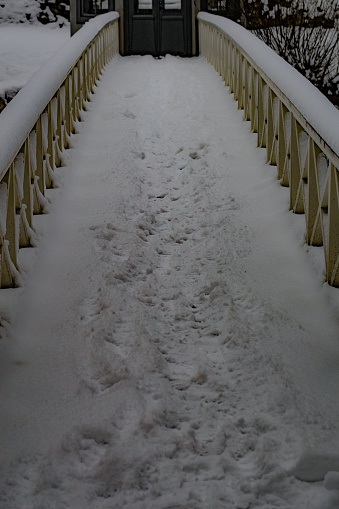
[303, 32]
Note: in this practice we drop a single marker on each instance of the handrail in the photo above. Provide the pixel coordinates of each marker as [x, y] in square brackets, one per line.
[35, 128]
[296, 124]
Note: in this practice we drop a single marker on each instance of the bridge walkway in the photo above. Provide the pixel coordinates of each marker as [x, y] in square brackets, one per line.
[173, 345]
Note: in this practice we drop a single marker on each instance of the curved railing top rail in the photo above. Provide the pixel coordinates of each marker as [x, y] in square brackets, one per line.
[20, 115]
[308, 104]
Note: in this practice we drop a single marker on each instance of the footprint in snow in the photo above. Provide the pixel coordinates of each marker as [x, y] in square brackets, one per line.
[129, 114]
[194, 155]
[140, 155]
[90, 309]
[232, 204]
[203, 145]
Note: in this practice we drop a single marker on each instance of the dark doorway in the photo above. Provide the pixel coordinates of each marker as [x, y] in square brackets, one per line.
[158, 27]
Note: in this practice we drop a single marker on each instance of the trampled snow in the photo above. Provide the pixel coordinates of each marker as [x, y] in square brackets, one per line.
[173, 346]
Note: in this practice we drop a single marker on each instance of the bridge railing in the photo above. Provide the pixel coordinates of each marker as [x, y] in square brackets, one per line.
[36, 127]
[296, 124]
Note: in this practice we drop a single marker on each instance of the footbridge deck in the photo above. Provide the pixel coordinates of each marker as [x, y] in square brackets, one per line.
[171, 341]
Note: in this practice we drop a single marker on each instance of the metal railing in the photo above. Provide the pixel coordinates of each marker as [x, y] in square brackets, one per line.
[35, 128]
[296, 124]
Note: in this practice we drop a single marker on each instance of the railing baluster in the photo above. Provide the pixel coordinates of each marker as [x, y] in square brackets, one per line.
[40, 170]
[247, 87]
[67, 112]
[332, 266]
[11, 222]
[261, 112]
[254, 101]
[270, 143]
[296, 198]
[314, 235]
[281, 152]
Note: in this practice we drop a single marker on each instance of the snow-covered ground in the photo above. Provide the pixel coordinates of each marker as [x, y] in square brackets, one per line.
[24, 49]
[174, 346]
[32, 12]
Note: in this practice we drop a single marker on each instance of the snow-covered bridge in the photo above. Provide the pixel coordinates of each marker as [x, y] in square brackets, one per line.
[172, 342]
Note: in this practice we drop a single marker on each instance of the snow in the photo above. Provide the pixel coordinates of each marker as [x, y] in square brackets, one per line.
[21, 33]
[314, 107]
[174, 345]
[314, 466]
[27, 12]
[331, 481]
[22, 53]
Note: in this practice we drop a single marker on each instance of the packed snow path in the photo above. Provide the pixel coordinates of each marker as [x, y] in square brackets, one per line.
[174, 346]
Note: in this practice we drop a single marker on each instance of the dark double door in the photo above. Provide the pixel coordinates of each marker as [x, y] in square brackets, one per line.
[158, 27]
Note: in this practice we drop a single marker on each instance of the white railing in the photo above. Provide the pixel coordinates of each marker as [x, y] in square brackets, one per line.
[36, 127]
[296, 124]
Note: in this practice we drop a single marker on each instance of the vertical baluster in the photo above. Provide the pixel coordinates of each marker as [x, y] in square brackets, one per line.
[11, 235]
[270, 142]
[58, 129]
[74, 98]
[27, 201]
[67, 112]
[39, 156]
[296, 196]
[314, 235]
[261, 112]
[281, 151]
[237, 76]
[232, 70]
[83, 78]
[50, 145]
[333, 227]
[254, 101]
[96, 61]
[247, 90]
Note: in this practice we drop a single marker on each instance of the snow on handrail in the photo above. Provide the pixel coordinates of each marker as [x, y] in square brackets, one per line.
[35, 128]
[296, 124]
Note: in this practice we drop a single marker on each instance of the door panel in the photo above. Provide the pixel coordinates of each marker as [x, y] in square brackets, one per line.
[172, 39]
[143, 36]
[157, 27]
